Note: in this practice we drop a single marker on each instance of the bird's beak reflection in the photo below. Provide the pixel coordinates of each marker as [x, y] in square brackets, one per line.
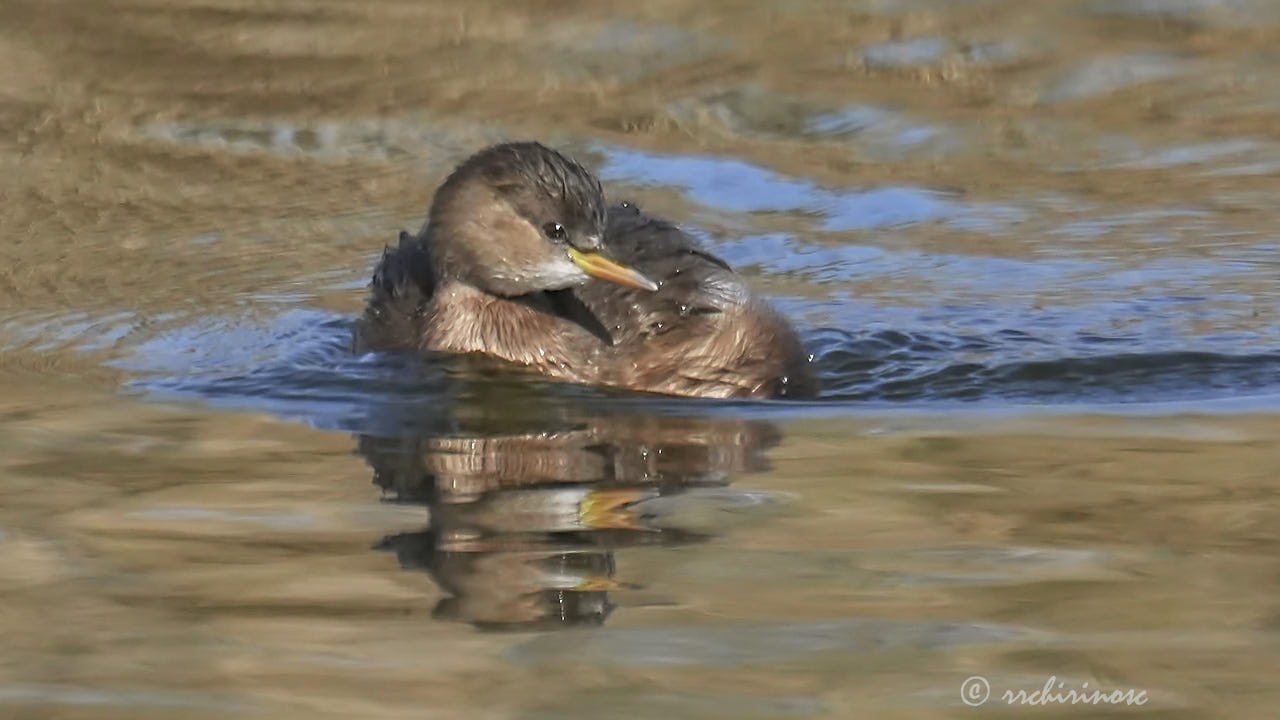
[598, 265]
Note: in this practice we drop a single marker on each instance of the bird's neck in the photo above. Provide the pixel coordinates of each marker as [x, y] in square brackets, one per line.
[525, 330]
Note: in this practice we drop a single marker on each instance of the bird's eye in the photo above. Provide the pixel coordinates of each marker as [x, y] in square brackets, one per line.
[554, 231]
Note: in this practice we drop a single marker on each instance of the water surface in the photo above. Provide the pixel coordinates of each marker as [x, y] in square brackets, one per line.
[1030, 245]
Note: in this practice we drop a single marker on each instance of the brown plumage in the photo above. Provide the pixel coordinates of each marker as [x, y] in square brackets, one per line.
[521, 260]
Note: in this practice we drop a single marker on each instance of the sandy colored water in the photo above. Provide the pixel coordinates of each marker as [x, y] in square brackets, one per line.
[1033, 243]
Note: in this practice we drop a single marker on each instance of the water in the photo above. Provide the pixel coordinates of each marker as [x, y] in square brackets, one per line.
[1032, 248]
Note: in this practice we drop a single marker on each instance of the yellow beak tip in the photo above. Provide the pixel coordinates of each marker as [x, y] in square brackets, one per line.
[598, 265]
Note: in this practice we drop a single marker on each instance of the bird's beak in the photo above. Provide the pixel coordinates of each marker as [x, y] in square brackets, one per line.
[597, 265]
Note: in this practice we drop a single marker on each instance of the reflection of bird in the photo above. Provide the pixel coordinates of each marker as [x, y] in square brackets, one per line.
[520, 260]
[538, 582]
[524, 525]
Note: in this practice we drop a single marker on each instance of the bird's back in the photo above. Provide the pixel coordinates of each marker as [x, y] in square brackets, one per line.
[702, 332]
[402, 285]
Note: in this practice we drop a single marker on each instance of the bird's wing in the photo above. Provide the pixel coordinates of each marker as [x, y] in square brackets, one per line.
[693, 281]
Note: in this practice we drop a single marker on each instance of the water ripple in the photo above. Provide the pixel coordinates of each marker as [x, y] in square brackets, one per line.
[738, 186]
[313, 377]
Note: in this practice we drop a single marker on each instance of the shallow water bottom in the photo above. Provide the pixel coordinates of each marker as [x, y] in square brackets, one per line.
[163, 560]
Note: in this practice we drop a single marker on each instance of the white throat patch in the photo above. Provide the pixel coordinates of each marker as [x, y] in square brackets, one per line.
[559, 274]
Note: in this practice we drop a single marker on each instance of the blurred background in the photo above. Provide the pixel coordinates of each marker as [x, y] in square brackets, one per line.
[1031, 245]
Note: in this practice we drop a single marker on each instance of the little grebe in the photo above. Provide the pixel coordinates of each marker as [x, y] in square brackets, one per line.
[521, 260]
